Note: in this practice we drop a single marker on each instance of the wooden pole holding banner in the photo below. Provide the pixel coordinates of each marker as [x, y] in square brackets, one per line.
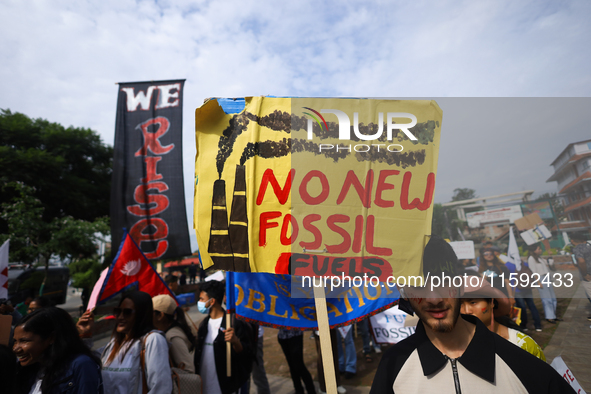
[325, 343]
[228, 347]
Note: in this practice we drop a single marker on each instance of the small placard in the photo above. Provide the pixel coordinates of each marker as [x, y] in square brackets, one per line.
[463, 249]
[5, 322]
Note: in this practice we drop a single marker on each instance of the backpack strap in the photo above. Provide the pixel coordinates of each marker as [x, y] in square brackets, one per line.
[143, 364]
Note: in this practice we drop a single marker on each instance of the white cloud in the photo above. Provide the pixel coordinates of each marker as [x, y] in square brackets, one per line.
[61, 59]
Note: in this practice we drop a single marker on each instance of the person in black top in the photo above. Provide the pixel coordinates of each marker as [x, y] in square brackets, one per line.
[210, 349]
[453, 353]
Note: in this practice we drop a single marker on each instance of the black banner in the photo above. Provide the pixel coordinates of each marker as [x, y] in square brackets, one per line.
[147, 193]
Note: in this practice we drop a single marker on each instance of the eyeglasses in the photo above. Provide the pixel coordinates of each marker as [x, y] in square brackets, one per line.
[487, 254]
[127, 312]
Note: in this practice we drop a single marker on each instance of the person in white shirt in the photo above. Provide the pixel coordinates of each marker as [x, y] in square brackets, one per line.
[210, 349]
[540, 266]
[122, 369]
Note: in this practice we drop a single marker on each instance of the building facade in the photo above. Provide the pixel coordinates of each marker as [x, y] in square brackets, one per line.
[572, 172]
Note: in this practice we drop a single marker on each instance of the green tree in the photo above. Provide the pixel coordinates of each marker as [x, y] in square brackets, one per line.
[69, 168]
[463, 194]
[85, 273]
[29, 234]
[75, 239]
[31, 237]
[438, 223]
[55, 184]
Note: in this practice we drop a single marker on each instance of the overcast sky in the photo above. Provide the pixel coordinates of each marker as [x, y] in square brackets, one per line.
[61, 60]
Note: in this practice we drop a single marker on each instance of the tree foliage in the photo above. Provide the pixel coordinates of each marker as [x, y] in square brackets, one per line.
[23, 215]
[438, 223]
[55, 184]
[463, 194]
[69, 168]
[31, 236]
[450, 229]
[85, 273]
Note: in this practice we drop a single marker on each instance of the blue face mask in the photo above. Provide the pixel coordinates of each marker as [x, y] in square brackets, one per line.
[202, 308]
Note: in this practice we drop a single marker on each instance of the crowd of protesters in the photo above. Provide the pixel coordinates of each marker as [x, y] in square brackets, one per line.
[152, 338]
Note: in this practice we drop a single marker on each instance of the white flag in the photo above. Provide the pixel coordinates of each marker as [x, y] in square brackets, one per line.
[513, 251]
[344, 331]
[559, 365]
[4, 269]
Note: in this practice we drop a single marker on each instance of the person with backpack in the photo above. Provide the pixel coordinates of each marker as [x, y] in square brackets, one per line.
[135, 361]
[170, 319]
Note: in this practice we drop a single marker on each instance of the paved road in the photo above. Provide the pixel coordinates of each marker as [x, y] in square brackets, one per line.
[572, 339]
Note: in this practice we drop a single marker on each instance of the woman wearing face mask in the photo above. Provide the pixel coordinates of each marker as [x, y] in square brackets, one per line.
[170, 319]
[52, 358]
[123, 371]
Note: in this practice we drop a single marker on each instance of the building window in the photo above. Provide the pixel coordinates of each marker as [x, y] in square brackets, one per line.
[589, 145]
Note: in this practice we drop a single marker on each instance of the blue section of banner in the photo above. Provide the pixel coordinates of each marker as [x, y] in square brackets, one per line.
[266, 299]
[232, 106]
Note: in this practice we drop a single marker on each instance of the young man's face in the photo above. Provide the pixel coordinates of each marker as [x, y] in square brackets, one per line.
[439, 309]
[204, 297]
[479, 307]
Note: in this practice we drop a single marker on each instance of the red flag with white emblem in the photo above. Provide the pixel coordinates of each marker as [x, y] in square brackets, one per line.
[131, 268]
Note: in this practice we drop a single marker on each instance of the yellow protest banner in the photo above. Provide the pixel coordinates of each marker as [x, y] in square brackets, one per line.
[321, 186]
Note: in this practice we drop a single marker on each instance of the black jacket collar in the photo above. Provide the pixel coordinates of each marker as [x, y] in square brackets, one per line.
[479, 357]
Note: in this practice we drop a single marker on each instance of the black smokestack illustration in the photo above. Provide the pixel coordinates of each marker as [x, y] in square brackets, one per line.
[220, 247]
[238, 228]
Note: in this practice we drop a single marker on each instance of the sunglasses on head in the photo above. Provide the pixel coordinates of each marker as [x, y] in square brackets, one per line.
[127, 312]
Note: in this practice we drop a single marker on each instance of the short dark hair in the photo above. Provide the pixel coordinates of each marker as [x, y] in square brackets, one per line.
[578, 236]
[171, 279]
[439, 257]
[42, 302]
[532, 248]
[214, 289]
